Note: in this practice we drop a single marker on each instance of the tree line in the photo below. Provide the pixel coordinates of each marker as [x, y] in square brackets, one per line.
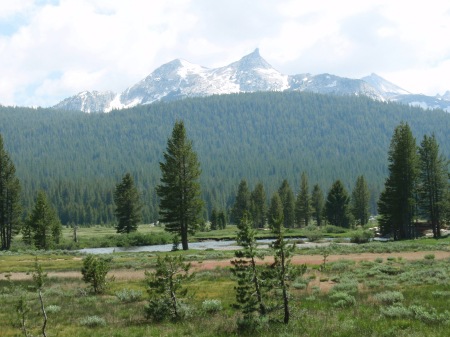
[77, 158]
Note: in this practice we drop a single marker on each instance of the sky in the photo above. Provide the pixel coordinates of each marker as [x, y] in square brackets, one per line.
[53, 49]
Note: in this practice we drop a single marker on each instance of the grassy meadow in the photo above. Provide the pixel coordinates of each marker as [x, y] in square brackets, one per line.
[402, 289]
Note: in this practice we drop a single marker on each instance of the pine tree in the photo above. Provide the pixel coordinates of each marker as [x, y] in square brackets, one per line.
[282, 272]
[128, 205]
[288, 202]
[249, 291]
[303, 207]
[42, 228]
[258, 206]
[397, 203]
[275, 211]
[180, 205]
[214, 219]
[337, 205]
[242, 202]
[360, 201]
[221, 220]
[318, 204]
[10, 207]
[433, 183]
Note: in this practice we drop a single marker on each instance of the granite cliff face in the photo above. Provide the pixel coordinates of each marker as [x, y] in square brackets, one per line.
[179, 79]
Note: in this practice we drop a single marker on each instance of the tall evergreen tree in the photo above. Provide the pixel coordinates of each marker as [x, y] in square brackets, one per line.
[360, 201]
[337, 205]
[433, 183]
[288, 202]
[42, 228]
[303, 207]
[179, 189]
[397, 203]
[275, 211]
[318, 204]
[258, 206]
[128, 205]
[242, 202]
[214, 219]
[10, 207]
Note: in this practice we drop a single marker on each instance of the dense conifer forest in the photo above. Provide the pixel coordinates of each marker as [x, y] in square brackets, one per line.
[78, 158]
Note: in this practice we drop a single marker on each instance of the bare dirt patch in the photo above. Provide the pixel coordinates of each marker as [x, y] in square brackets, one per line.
[131, 274]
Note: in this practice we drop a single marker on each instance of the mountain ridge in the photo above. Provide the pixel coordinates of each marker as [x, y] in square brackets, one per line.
[179, 79]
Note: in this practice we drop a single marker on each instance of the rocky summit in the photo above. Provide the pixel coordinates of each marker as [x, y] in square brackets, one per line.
[180, 79]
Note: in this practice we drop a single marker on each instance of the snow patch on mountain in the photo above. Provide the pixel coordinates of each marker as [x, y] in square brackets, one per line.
[179, 78]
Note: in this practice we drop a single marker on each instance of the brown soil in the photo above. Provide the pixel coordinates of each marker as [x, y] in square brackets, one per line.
[131, 274]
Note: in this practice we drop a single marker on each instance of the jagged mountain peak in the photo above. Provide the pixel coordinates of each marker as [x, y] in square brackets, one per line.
[253, 60]
[179, 79]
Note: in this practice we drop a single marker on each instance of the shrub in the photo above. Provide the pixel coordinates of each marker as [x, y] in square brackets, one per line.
[158, 309]
[251, 324]
[429, 257]
[94, 271]
[429, 316]
[389, 297]
[52, 309]
[212, 306]
[314, 235]
[347, 286]
[342, 299]
[361, 236]
[93, 321]
[396, 311]
[334, 229]
[129, 295]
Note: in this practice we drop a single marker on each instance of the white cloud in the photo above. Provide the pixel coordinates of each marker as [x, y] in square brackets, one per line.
[53, 49]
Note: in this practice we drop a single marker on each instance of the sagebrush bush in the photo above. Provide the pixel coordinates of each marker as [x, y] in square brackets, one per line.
[93, 321]
[129, 295]
[342, 299]
[52, 309]
[395, 311]
[212, 306]
[347, 286]
[389, 297]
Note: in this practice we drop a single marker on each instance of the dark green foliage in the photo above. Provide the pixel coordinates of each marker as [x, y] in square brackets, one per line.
[275, 210]
[10, 207]
[128, 205]
[281, 269]
[166, 287]
[218, 219]
[42, 228]
[249, 289]
[433, 183]
[337, 206]
[318, 204]
[214, 219]
[397, 204]
[94, 272]
[180, 204]
[258, 208]
[241, 203]
[360, 201]
[221, 220]
[288, 202]
[303, 204]
[261, 136]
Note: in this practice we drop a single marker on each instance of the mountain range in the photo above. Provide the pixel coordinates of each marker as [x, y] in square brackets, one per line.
[179, 79]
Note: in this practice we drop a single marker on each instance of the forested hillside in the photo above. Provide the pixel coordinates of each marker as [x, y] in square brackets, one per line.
[78, 158]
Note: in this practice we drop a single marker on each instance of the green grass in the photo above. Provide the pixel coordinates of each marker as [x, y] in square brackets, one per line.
[354, 311]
